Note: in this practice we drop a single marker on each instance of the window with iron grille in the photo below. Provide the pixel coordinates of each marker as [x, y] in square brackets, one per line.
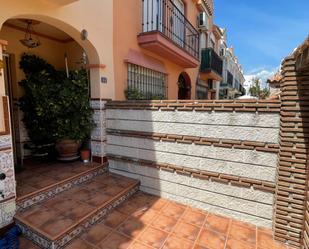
[148, 83]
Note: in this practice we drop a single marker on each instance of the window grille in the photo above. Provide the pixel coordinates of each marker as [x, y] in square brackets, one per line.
[150, 84]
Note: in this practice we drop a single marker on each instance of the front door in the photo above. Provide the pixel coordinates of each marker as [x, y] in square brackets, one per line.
[7, 73]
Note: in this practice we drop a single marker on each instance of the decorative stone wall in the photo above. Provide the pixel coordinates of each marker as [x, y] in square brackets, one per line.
[217, 155]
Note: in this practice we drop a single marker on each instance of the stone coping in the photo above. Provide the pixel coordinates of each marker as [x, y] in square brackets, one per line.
[247, 105]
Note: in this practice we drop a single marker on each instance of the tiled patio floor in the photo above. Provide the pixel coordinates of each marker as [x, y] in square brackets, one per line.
[145, 221]
[37, 176]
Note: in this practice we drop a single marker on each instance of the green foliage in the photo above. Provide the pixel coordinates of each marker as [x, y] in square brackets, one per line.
[135, 94]
[74, 116]
[38, 103]
[256, 90]
[54, 106]
[156, 96]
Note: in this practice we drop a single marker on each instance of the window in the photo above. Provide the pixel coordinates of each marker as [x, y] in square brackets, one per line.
[149, 83]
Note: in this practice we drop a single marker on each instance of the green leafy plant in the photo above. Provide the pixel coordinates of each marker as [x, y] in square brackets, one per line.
[132, 93]
[257, 91]
[74, 119]
[38, 102]
[135, 94]
[54, 106]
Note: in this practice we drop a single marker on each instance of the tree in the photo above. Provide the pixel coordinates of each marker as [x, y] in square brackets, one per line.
[257, 91]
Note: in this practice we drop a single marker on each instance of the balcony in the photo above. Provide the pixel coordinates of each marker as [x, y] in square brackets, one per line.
[167, 32]
[211, 65]
[61, 2]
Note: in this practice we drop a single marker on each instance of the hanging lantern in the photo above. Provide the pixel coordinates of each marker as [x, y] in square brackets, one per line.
[29, 41]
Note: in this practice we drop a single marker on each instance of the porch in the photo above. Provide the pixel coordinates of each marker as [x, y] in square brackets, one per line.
[147, 221]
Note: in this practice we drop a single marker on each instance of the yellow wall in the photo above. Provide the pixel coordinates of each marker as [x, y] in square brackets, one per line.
[50, 50]
[2, 93]
[127, 25]
[112, 26]
[93, 15]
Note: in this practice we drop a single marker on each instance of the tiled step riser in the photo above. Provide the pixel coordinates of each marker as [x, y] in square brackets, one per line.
[42, 196]
[44, 242]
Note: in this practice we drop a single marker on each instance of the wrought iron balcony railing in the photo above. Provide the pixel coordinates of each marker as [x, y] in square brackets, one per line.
[163, 16]
[211, 61]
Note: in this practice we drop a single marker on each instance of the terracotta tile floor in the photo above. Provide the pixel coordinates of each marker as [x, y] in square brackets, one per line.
[38, 175]
[146, 221]
[53, 217]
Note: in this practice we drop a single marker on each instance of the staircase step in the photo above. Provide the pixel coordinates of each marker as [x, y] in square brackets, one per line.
[60, 219]
[28, 200]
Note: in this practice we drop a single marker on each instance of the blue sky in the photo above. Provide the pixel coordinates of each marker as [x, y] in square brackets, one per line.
[263, 32]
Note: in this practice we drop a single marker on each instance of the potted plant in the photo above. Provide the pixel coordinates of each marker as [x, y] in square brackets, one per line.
[56, 107]
[74, 121]
[85, 152]
[37, 103]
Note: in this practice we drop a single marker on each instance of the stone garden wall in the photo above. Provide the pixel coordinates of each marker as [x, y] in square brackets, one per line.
[217, 155]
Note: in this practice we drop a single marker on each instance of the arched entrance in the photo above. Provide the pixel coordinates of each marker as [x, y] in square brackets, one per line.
[184, 86]
[80, 37]
[62, 47]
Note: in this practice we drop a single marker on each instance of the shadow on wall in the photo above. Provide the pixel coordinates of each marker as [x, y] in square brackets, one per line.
[126, 152]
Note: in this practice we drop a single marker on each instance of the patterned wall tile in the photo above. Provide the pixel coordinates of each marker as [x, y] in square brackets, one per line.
[95, 104]
[7, 167]
[98, 134]
[7, 212]
[97, 148]
[5, 141]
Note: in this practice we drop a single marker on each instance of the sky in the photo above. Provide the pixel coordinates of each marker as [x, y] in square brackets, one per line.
[263, 32]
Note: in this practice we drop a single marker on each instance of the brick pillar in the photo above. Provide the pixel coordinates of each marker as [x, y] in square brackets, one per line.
[292, 164]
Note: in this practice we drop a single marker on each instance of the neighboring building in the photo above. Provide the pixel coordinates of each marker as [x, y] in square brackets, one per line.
[156, 47]
[133, 46]
[232, 84]
[128, 43]
[211, 63]
[274, 85]
[147, 48]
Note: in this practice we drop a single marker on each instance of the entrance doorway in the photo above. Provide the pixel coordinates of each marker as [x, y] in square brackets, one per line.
[65, 62]
[184, 86]
[8, 61]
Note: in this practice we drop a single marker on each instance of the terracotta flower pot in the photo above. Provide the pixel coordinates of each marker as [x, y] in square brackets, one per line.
[85, 155]
[67, 149]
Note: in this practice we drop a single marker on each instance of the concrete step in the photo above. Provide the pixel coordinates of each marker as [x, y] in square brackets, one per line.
[62, 178]
[58, 220]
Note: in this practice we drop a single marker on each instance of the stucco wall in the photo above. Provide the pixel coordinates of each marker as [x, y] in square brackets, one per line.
[221, 161]
[127, 26]
[94, 16]
[50, 50]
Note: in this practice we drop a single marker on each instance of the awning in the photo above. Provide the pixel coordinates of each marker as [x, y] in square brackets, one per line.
[146, 61]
